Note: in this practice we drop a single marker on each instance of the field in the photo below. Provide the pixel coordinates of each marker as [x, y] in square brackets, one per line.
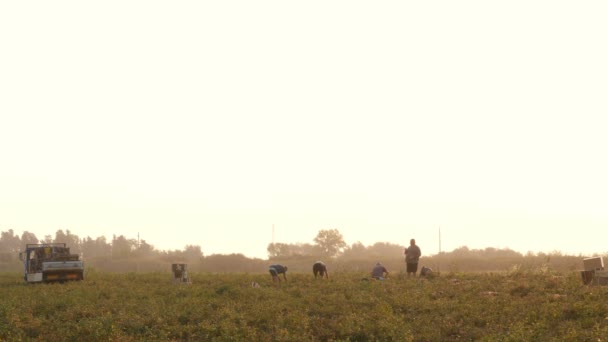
[515, 306]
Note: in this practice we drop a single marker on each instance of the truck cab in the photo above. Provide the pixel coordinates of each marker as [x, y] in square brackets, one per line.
[49, 262]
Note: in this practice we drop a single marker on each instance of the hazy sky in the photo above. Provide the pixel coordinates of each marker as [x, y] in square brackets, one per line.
[208, 122]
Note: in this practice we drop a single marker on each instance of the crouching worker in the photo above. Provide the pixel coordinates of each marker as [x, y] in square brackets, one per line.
[320, 269]
[379, 272]
[426, 272]
[275, 270]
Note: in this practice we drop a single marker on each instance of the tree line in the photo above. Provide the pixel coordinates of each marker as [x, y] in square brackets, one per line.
[120, 247]
[122, 254]
[328, 243]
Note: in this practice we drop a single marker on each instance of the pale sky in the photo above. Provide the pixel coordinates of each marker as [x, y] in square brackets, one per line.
[208, 122]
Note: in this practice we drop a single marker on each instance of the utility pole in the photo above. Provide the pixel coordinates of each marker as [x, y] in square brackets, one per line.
[439, 255]
[439, 240]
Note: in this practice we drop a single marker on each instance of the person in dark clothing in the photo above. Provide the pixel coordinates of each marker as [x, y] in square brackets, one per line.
[320, 269]
[277, 269]
[412, 256]
[426, 272]
[379, 272]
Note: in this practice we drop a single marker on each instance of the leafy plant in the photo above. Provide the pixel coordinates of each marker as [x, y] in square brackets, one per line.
[510, 306]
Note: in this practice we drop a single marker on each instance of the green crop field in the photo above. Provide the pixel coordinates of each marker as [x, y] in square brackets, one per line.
[515, 306]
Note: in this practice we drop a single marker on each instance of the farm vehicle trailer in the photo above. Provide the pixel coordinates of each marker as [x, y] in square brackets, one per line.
[49, 262]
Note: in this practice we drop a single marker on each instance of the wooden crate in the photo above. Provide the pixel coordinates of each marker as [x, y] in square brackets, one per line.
[593, 264]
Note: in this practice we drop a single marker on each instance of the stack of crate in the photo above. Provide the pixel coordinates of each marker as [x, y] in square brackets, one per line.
[594, 272]
[180, 273]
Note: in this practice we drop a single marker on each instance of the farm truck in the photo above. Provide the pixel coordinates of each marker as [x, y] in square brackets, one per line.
[48, 262]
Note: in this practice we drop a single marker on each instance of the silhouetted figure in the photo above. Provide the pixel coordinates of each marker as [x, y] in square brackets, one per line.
[320, 269]
[277, 269]
[379, 272]
[426, 272]
[412, 256]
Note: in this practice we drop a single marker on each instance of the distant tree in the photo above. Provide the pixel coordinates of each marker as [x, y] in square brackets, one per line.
[193, 253]
[122, 247]
[28, 238]
[88, 247]
[232, 263]
[278, 249]
[304, 249]
[330, 242]
[144, 249]
[9, 242]
[60, 237]
[174, 256]
[72, 241]
[98, 247]
[355, 251]
[47, 239]
[503, 252]
[385, 249]
[461, 251]
[291, 249]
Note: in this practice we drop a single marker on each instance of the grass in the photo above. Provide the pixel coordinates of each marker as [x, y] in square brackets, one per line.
[518, 306]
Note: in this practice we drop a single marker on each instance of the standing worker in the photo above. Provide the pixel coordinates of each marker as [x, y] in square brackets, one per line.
[277, 269]
[412, 255]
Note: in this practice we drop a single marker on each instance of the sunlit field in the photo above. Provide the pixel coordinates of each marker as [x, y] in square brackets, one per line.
[511, 306]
